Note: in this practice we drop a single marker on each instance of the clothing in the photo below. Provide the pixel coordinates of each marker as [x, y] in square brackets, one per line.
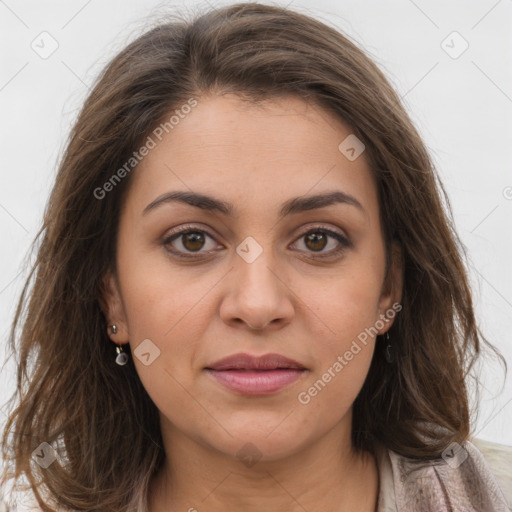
[499, 457]
[467, 484]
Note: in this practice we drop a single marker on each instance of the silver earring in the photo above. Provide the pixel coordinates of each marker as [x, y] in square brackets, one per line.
[389, 354]
[122, 356]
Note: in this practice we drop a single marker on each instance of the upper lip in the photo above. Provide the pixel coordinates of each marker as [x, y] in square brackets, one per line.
[248, 362]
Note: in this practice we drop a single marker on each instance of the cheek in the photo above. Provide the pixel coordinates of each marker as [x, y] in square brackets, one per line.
[344, 312]
[346, 305]
[159, 298]
[163, 306]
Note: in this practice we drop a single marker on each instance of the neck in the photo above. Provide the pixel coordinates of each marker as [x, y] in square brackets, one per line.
[328, 476]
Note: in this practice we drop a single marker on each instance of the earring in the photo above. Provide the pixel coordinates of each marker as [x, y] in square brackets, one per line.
[122, 356]
[389, 353]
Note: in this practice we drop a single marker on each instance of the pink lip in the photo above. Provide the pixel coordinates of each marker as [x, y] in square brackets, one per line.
[252, 375]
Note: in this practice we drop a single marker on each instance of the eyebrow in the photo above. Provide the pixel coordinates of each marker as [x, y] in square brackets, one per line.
[292, 206]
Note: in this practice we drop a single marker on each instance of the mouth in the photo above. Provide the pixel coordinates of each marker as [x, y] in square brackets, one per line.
[253, 375]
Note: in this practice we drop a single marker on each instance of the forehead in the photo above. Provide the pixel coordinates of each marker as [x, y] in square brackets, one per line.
[240, 151]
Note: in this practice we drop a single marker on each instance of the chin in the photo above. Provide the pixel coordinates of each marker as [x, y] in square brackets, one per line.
[257, 440]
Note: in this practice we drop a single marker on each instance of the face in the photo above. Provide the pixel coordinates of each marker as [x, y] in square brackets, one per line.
[260, 268]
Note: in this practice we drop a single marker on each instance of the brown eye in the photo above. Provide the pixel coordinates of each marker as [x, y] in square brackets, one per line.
[193, 241]
[316, 241]
[189, 241]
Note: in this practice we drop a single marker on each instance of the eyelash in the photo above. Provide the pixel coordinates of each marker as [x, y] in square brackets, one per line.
[344, 242]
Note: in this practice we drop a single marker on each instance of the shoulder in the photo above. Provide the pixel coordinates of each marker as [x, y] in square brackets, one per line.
[499, 458]
[461, 479]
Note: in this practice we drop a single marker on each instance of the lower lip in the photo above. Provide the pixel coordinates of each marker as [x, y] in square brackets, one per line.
[256, 382]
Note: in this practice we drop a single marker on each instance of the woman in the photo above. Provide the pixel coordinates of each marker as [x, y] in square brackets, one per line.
[248, 294]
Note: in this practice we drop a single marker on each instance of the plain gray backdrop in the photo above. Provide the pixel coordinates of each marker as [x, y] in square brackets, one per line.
[450, 61]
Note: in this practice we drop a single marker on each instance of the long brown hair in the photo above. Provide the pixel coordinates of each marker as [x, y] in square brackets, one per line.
[97, 415]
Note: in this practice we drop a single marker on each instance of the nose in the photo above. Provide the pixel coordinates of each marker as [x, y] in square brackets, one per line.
[257, 295]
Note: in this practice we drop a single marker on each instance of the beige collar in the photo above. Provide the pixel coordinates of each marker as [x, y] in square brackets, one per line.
[409, 485]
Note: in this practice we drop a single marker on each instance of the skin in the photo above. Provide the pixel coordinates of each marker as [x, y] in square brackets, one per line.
[199, 311]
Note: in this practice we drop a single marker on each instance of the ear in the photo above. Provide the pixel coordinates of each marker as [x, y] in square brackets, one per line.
[113, 308]
[391, 295]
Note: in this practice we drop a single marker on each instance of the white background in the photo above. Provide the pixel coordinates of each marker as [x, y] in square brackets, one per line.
[462, 107]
